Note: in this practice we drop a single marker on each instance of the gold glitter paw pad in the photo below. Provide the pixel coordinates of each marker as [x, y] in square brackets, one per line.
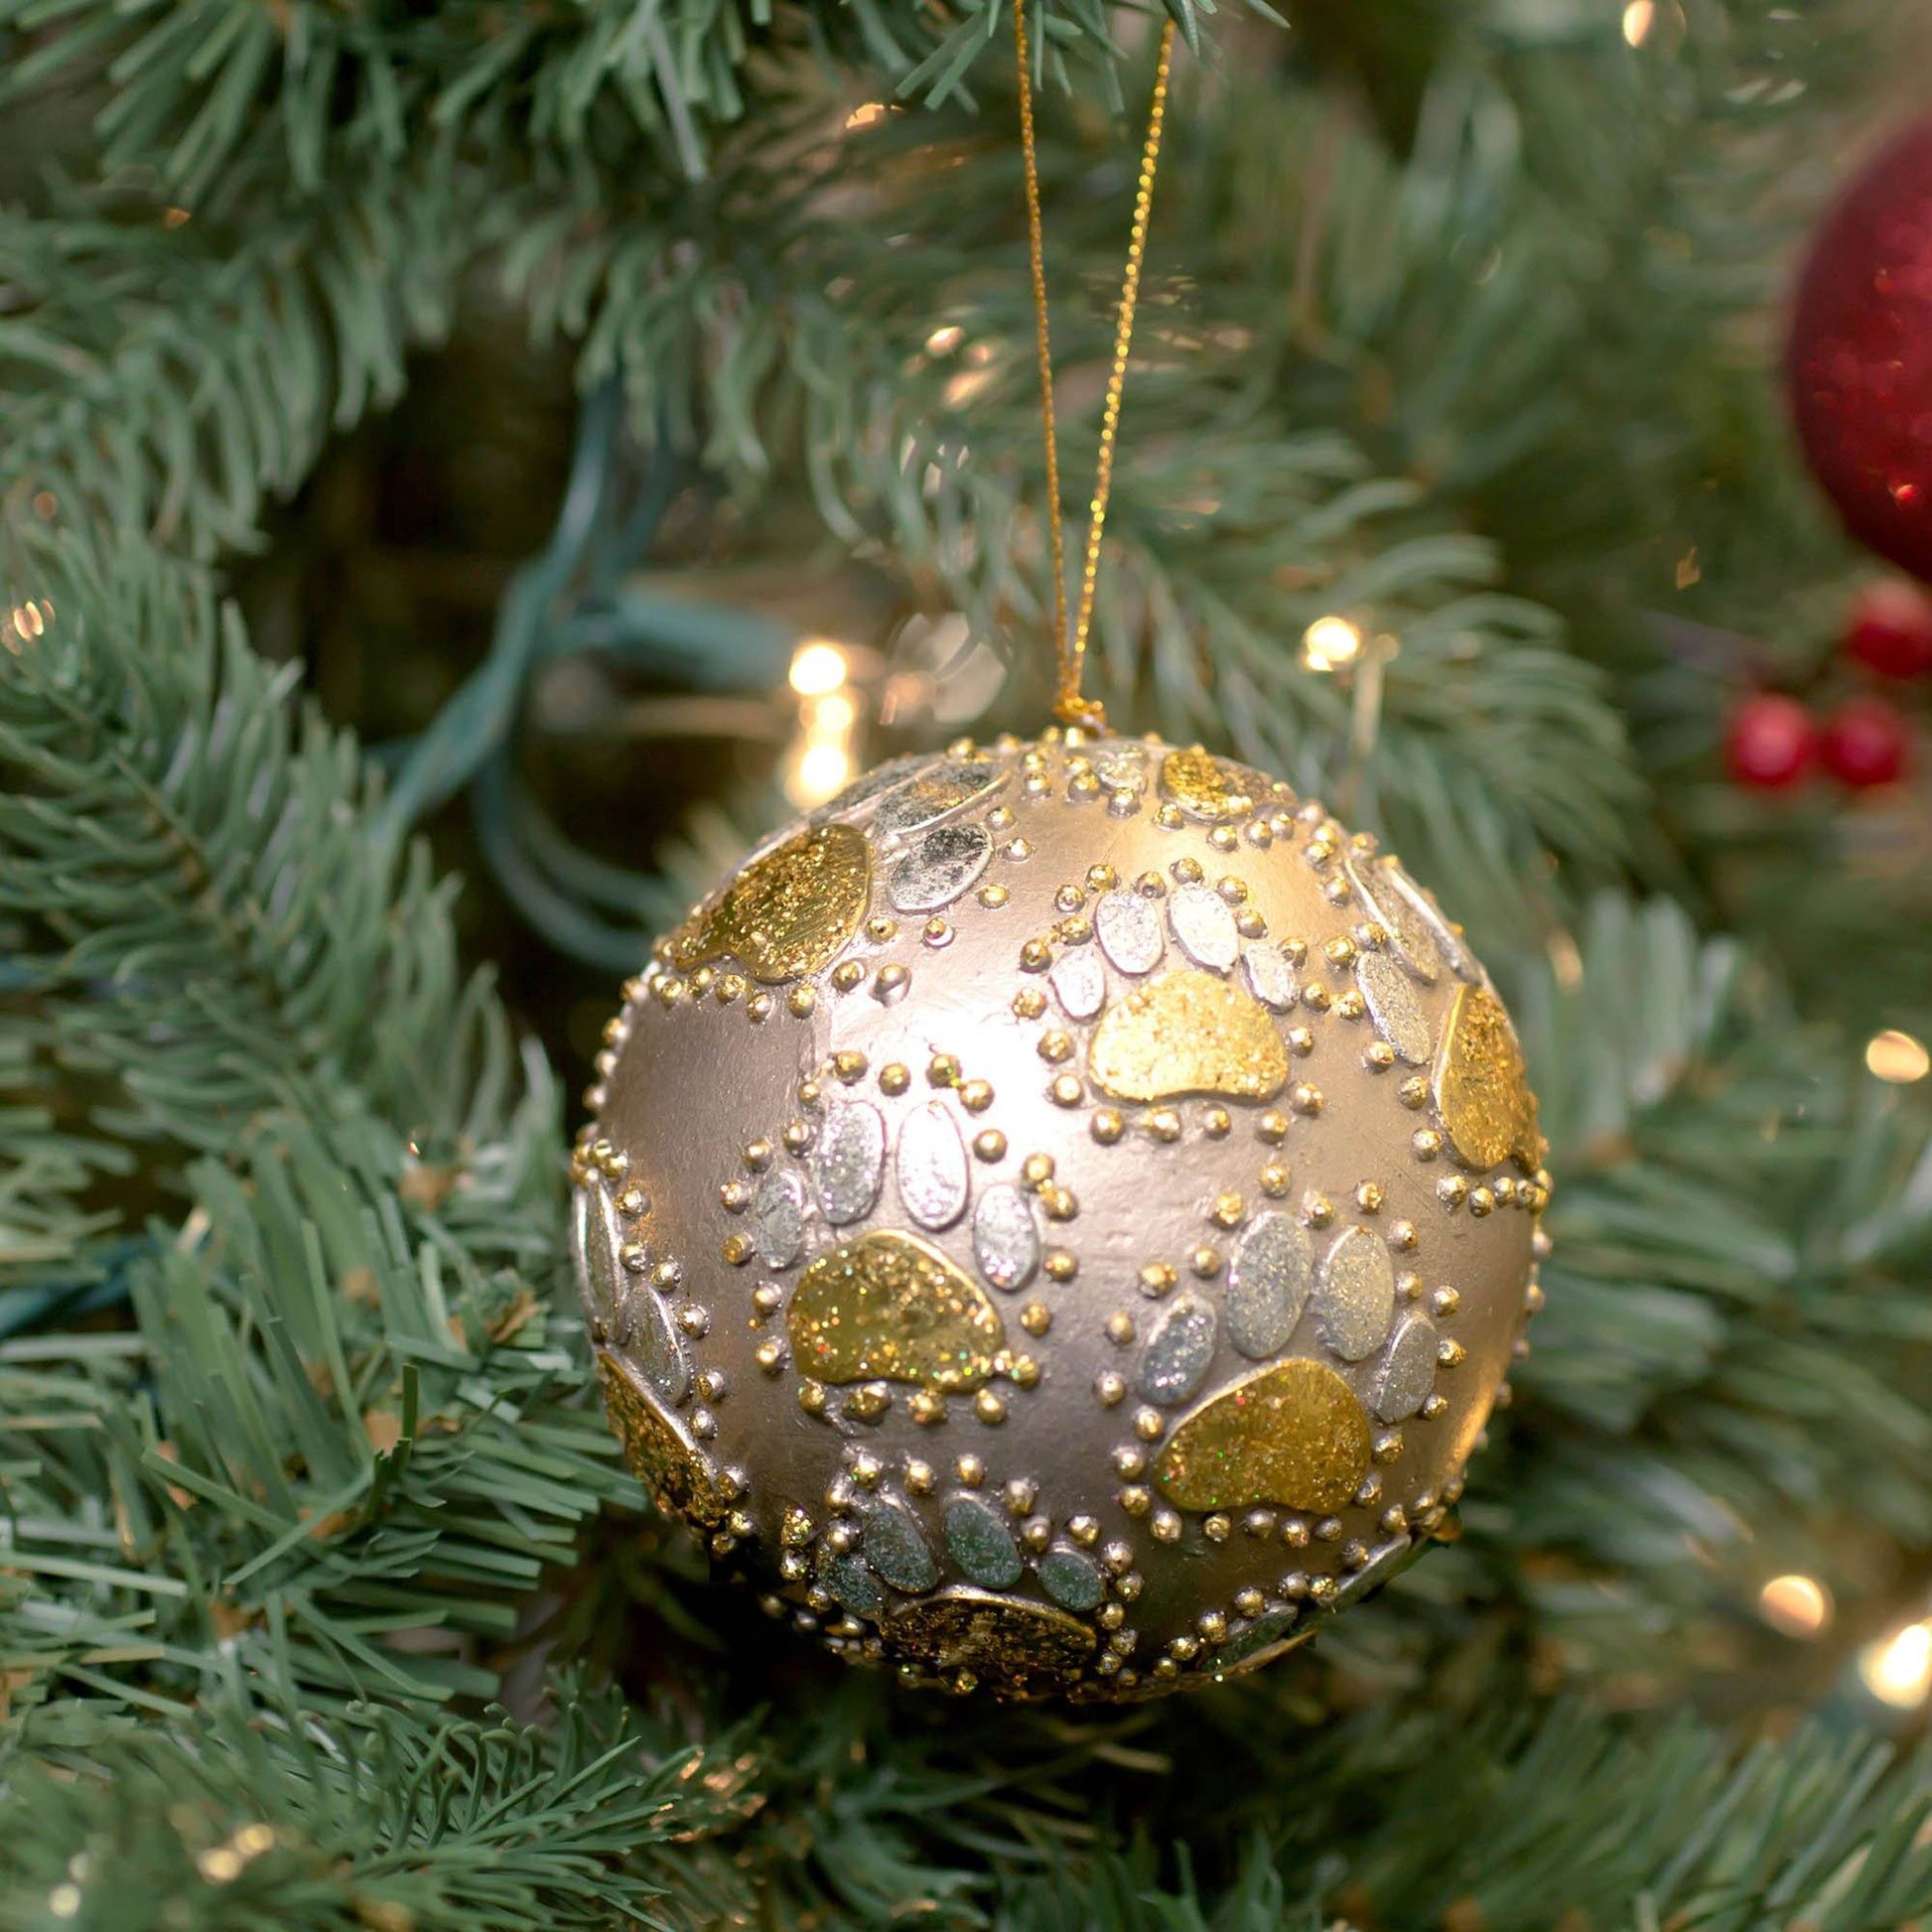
[1486, 1106]
[665, 1458]
[788, 914]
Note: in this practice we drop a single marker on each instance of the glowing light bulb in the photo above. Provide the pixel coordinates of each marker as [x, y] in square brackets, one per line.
[1331, 643]
[867, 115]
[1898, 1670]
[817, 668]
[25, 622]
[1897, 1057]
[1638, 18]
[942, 342]
[821, 768]
[1795, 1606]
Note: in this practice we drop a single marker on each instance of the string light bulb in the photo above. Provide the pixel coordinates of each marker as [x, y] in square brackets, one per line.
[817, 668]
[1795, 1606]
[1332, 642]
[1897, 1057]
[1898, 1670]
[1638, 18]
[820, 770]
[822, 760]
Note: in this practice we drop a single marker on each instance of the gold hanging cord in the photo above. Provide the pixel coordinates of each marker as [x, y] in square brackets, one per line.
[1071, 644]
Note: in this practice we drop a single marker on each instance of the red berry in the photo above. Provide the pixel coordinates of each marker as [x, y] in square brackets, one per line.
[1770, 741]
[1865, 744]
[1892, 630]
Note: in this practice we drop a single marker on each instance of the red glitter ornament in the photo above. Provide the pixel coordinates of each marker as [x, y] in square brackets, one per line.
[1770, 741]
[1865, 744]
[1892, 630]
[1859, 361]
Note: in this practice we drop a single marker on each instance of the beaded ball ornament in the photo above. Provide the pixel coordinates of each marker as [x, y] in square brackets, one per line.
[1059, 1217]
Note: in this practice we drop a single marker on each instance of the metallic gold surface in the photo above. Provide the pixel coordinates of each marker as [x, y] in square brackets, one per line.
[1020, 1649]
[791, 912]
[1201, 785]
[1187, 1032]
[1293, 1433]
[675, 1473]
[1078, 1292]
[1488, 1111]
[892, 1307]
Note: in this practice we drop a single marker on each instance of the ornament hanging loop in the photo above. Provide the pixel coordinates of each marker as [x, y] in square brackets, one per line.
[1069, 704]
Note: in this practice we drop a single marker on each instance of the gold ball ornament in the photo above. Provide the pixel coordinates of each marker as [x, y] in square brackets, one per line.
[1059, 1217]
